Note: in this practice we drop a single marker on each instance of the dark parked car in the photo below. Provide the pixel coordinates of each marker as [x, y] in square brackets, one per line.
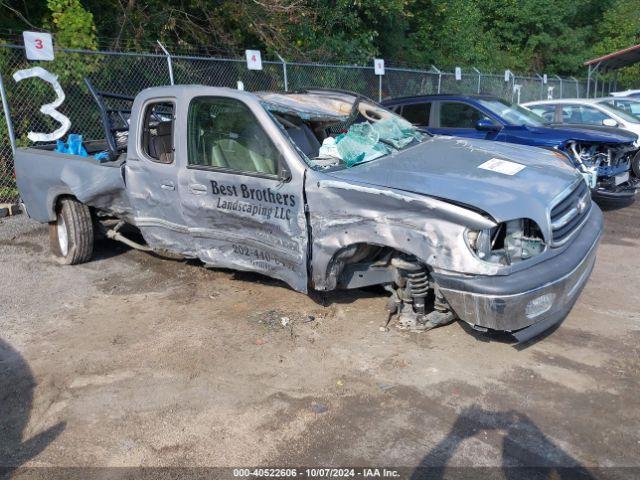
[603, 157]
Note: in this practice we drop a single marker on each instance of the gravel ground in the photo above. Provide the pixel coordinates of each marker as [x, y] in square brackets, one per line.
[135, 360]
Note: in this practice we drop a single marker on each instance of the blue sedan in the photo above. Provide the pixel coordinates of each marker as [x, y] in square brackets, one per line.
[602, 154]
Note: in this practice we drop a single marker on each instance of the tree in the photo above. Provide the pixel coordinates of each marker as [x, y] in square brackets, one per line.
[71, 23]
[620, 28]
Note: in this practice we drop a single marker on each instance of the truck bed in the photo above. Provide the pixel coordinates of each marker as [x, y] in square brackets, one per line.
[44, 175]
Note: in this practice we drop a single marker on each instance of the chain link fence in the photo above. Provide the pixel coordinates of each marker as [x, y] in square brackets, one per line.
[128, 73]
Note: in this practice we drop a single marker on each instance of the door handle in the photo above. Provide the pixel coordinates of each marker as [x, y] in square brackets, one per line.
[197, 189]
[168, 186]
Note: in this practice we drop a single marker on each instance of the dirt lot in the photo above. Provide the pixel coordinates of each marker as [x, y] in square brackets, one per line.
[134, 360]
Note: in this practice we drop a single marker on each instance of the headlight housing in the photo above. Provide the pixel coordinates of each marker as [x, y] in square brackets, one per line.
[508, 242]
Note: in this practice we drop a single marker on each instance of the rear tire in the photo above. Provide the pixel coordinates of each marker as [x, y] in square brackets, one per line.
[71, 235]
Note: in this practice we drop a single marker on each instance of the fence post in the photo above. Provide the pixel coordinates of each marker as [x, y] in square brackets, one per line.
[7, 116]
[169, 63]
[284, 72]
[560, 79]
[577, 86]
[479, 78]
[541, 86]
[439, 76]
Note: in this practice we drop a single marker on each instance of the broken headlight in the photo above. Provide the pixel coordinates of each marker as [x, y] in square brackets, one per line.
[507, 243]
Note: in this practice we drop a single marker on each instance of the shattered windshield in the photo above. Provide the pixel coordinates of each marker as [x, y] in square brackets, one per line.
[340, 129]
[371, 132]
[377, 135]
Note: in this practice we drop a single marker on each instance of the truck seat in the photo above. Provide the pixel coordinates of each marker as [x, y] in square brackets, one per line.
[239, 157]
[160, 145]
[210, 151]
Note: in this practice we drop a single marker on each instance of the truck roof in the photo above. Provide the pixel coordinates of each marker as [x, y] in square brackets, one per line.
[179, 90]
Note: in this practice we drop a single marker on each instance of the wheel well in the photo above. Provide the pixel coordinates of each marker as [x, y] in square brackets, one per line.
[55, 203]
[361, 264]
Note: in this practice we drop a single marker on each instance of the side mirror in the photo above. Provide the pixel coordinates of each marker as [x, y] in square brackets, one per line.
[284, 175]
[609, 122]
[485, 125]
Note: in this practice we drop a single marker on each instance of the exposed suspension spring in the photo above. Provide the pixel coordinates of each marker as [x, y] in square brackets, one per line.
[417, 279]
[418, 283]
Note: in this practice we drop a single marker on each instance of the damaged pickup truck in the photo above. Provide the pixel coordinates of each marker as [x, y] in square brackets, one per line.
[328, 190]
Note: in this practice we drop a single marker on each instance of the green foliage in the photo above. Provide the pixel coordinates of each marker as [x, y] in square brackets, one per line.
[72, 24]
[551, 36]
[620, 28]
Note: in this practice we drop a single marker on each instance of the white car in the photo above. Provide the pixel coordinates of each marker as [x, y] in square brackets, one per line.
[616, 112]
[627, 93]
[589, 111]
[628, 104]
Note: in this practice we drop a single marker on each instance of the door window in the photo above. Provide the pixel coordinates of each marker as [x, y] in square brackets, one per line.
[628, 106]
[223, 133]
[417, 113]
[582, 114]
[628, 110]
[459, 115]
[547, 112]
[157, 132]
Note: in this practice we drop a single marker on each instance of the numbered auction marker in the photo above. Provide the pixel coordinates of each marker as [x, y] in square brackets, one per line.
[254, 60]
[378, 66]
[38, 45]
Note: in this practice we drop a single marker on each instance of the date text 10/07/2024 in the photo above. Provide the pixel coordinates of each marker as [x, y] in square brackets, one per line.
[316, 472]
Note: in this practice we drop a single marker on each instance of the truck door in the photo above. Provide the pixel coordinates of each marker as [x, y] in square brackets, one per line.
[242, 202]
[152, 177]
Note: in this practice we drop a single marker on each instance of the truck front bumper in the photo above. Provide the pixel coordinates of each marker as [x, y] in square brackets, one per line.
[537, 297]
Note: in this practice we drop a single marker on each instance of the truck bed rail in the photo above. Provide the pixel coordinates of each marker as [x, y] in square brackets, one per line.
[115, 119]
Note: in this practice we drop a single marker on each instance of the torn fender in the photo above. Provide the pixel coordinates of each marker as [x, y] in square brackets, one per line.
[343, 214]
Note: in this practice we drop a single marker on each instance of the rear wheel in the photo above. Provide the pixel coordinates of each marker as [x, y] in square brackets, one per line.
[71, 235]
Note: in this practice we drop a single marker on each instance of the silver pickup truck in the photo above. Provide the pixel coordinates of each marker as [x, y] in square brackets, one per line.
[327, 190]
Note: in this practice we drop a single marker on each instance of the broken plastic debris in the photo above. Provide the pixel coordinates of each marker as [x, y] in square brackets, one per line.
[101, 156]
[73, 146]
[329, 148]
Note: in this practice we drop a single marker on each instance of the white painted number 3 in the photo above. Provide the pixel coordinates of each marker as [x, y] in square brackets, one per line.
[49, 108]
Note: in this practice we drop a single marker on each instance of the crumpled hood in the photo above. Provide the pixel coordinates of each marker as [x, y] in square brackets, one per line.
[558, 135]
[447, 168]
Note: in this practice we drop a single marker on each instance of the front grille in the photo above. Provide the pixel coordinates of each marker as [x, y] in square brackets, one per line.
[568, 214]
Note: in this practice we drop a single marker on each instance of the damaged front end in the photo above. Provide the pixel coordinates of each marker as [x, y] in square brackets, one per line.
[606, 168]
[448, 238]
[416, 297]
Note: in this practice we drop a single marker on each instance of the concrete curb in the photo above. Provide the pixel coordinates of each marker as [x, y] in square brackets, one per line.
[9, 209]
